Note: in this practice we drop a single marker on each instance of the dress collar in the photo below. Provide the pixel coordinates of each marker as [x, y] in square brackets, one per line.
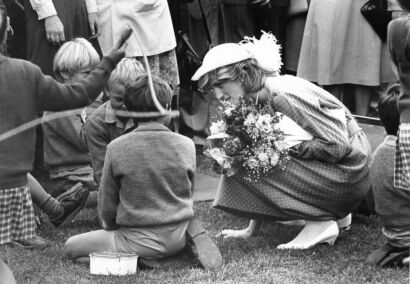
[111, 117]
[390, 140]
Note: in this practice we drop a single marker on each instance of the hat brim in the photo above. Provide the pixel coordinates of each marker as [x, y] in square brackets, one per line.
[219, 56]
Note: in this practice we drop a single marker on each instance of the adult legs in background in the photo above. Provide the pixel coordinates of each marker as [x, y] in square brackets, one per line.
[335, 90]
[237, 21]
[362, 96]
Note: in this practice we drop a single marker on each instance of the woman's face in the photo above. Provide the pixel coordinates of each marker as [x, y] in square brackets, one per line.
[229, 91]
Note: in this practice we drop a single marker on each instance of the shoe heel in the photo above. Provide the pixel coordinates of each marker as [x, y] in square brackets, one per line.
[344, 224]
[331, 241]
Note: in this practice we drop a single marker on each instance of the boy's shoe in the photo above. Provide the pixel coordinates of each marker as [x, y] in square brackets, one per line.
[388, 256]
[33, 243]
[202, 246]
[69, 192]
[72, 204]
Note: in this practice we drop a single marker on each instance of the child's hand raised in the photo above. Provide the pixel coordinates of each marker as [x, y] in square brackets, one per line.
[118, 51]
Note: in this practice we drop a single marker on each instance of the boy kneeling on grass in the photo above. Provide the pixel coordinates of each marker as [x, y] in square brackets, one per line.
[392, 203]
[145, 201]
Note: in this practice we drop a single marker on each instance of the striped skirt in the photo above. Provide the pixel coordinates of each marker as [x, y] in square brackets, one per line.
[17, 221]
[402, 159]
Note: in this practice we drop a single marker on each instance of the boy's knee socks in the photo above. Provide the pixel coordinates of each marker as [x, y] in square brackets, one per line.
[52, 208]
[92, 200]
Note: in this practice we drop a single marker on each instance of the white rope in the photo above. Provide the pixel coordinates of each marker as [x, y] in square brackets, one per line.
[151, 85]
[161, 111]
[57, 115]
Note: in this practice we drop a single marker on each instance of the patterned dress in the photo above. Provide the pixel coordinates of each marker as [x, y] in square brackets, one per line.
[325, 178]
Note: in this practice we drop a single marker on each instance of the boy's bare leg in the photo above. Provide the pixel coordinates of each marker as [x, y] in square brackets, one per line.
[251, 230]
[84, 244]
[6, 276]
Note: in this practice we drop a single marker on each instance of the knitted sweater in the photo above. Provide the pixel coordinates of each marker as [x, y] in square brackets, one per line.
[399, 46]
[65, 146]
[148, 179]
[24, 90]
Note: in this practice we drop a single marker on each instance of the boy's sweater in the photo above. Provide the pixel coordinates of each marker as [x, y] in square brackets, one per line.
[65, 145]
[24, 90]
[148, 179]
[391, 204]
[399, 45]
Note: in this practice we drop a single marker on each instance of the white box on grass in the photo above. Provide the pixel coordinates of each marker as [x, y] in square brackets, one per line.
[111, 263]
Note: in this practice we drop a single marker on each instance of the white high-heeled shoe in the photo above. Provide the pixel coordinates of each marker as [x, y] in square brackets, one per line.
[329, 236]
[345, 223]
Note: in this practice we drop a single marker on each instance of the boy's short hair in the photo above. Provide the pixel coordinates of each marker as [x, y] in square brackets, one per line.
[404, 4]
[74, 56]
[388, 110]
[127, 70]
[138, 95]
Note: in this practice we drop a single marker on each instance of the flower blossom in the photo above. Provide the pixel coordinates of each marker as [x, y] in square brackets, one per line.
[264, 123]
[217, 127]
[274, 159]
[252, 163]
[250, 120]
[264, 159]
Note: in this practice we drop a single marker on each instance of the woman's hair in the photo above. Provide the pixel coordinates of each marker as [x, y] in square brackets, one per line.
[73, 56]
[138, 95]
[404, 4]
[247, 72]
[388, 111]
[127, 70]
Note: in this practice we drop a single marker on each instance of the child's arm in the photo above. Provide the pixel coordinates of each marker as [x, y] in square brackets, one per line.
[97, 142]
[70, 128]
[108, 195]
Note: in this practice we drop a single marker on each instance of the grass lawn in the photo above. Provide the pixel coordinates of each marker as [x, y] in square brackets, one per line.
[245, 261]
[251, 261]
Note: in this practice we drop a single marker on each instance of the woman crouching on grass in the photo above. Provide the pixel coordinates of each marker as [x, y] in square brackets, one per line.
[326, 176]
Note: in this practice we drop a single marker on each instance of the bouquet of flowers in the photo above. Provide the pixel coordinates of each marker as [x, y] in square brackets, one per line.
[247, 137]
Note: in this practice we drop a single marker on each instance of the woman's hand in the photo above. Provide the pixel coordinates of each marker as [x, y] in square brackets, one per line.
[54, 30]
[94, 24]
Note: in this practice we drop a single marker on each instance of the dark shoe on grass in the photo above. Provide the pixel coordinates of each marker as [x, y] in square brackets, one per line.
[388, 255]
[33, 243]
[72, 204]
[202, 246]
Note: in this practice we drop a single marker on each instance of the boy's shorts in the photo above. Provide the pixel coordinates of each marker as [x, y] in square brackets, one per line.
[17, 221]
[152, 242]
